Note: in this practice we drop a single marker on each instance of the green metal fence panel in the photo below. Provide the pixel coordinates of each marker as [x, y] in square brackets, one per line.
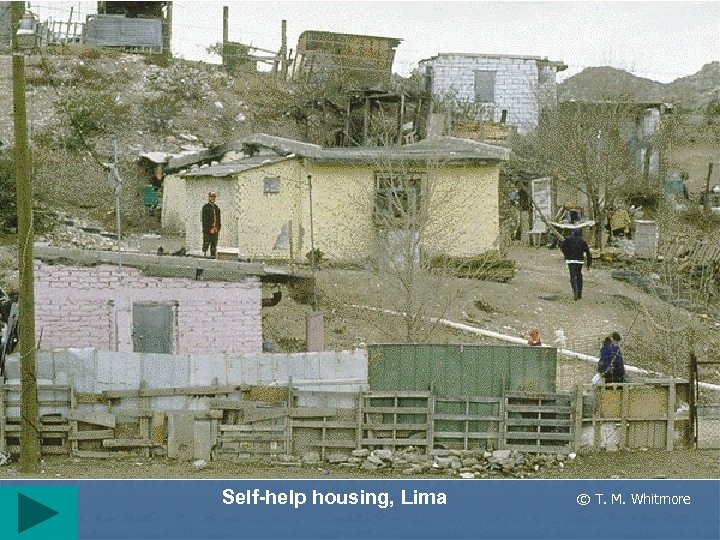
[456, 370]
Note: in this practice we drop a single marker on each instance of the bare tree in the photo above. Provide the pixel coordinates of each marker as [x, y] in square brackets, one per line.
[583, 146]
[419, 243]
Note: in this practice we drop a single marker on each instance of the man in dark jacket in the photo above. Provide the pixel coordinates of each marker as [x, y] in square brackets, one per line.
[575, 249]
[611, 365]
[210, 225]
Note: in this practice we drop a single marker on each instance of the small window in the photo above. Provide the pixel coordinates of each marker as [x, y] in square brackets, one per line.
[272, 184]
[397, 199]
[485, 86]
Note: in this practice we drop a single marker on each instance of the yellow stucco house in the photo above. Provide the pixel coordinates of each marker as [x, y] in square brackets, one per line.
[440, 194]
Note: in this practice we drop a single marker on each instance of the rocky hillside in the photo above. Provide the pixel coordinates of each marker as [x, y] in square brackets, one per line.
[693, 92]
[82, 100]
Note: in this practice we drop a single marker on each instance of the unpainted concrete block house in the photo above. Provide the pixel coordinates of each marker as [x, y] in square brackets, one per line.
[440, 194]
[508, 89]
[146, 303]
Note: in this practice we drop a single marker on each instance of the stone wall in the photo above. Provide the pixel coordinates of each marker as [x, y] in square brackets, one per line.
[93, 307]
[522, 87]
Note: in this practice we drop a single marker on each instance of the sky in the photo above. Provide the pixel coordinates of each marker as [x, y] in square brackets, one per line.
[657, 40]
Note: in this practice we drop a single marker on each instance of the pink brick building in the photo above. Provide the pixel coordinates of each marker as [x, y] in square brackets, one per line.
[150, 304]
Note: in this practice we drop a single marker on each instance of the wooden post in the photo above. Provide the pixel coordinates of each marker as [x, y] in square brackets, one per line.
[670, 432]
[692, 391]
[578, 416]
[366, 110]
[73, 424]
[359, 419]
[347, 121]
[706, 206]
[226, 16]
[283, 50]
[167, 31]
[29, 442]
[144, 420]
[2, 417]
[431, 421]
[401, 119]
[623, 436]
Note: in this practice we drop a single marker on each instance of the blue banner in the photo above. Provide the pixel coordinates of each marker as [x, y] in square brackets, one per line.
[367, 509]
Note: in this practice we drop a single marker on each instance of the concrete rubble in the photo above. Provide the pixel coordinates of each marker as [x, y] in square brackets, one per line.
[465, 464]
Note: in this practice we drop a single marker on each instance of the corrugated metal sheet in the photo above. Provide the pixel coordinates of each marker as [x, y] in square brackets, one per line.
[116, 31]
[461, 370]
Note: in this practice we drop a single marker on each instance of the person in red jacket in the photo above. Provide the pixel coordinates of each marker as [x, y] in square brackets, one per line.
[534, 340]
[210, 225]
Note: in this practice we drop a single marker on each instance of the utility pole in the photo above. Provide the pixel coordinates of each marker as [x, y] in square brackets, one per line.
[29, 439]
[114, 174]
[283, 50]
[226, 35]
[167, 31]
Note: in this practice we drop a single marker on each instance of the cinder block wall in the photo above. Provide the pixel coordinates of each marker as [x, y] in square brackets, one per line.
[519, 87]
[93, 307]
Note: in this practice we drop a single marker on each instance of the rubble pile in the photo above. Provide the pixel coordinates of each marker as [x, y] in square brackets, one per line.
[465, 464]
[74, 232]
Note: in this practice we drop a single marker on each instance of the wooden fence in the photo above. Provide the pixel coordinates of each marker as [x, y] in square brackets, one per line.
[251, 422]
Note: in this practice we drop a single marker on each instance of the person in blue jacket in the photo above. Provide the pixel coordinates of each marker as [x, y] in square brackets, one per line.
[611, 365]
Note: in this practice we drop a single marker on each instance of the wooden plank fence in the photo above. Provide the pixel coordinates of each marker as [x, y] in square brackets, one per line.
[476, 422]
[394, 419]
[539, 423]
[247, 423]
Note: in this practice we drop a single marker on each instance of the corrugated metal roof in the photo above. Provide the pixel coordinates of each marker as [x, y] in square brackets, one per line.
[234, 167]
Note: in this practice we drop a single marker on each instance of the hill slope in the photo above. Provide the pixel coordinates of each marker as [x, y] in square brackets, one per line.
[597, 83]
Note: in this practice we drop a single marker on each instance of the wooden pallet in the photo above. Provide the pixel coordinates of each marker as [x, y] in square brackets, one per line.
[395, 419]
[53, 428]
[326, 427]
[539, 423]
[468, 422]
[251, 426]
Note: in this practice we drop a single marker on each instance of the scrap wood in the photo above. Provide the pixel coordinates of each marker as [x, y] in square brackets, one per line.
[89, 417]
[114, 443]
[92, 434]
[165, 392]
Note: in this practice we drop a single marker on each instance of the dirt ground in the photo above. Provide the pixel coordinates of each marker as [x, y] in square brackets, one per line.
[539, 296]
[640, 464]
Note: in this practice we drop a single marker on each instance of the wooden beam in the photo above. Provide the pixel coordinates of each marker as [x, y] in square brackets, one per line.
[90, 417]
[92, 434]
[120, 443]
